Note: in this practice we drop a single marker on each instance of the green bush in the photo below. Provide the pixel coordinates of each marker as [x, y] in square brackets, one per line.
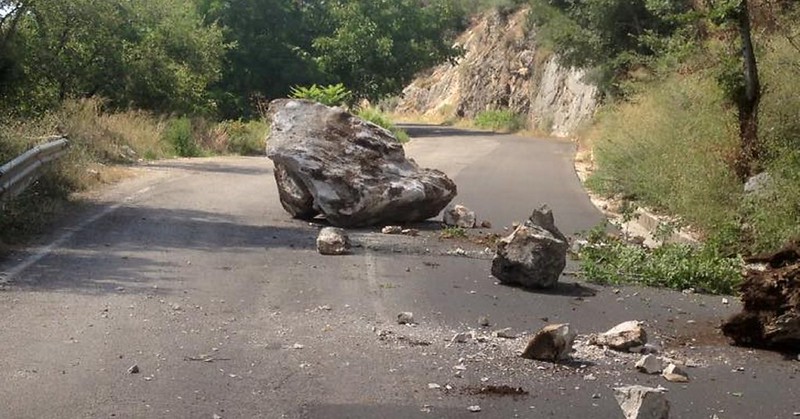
[610, 260]
[330, 95]
[179, 133]
[243, 138]
[500, 120]
[670, 149]
[382, 120]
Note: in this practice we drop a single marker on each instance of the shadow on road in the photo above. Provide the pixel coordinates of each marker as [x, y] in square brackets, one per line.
[214, 167]
[423, 131]
[135, 245]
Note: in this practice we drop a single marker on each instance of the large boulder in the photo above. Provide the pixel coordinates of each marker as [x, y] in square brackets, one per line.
[353, 172]
[534, 255]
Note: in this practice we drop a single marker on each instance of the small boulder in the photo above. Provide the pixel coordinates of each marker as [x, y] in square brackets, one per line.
[459, 216]
[333, 241]
[552, 343]
[675, 374]
[622, 337]
[534, 255]
[649, 364]
[392, 230]
[639, 402]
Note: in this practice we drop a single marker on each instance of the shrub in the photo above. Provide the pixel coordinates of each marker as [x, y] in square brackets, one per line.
[179, 133]
[610, 260]
[382, 120]
[500, 120]
[330, 95]
[671, 148]
[243, 138]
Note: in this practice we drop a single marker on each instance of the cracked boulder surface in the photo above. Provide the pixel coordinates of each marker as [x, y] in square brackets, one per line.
[354, 173]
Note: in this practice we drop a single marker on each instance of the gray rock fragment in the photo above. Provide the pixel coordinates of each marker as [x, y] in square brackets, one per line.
[675, 374]
[552, 343]
[459, 216]
[534, 255]
[333, 241]
[622, 337]
[639, 402]
[405, 317]
[649, 364]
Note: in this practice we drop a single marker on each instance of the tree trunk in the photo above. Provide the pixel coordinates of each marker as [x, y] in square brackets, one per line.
[750, 147]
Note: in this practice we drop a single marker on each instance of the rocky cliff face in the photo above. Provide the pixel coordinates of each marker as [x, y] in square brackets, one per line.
[504, 68]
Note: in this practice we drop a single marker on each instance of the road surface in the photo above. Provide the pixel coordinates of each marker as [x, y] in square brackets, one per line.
[193, 273]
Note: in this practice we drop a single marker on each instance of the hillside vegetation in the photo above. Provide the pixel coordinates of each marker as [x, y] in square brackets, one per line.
[130, 80]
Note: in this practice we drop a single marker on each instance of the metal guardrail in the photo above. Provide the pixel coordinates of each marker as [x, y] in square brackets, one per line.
[19, 173]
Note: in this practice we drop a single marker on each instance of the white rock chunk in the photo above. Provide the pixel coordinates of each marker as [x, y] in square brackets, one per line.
[622, 337]
[649, 364]
[639, 402]
[333, 241]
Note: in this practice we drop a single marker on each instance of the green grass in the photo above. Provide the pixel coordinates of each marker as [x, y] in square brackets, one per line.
[500, 121]
[610, 260]
[380, 119]
[453, 232]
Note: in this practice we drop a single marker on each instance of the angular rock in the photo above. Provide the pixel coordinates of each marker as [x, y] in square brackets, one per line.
[333, 241]
[622, 337]
[392, 230]
[134, 369]
[534, 255]
[649, 364]
[639, 402]
[552, 343]
[353, 172]
[675, 374]
[405, 317]
[770, 296]
[459, 216]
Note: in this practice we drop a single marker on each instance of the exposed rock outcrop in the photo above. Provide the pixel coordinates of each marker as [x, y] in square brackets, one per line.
[504, 68]
[353, 172]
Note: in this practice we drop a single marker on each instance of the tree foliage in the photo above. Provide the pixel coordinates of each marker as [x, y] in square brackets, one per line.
[155, 54]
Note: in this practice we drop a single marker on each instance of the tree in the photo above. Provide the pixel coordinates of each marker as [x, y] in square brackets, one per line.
[746, 91]
[375, 47]
[147, 53]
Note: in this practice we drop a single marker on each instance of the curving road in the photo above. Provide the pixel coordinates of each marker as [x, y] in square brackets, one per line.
[192, 272]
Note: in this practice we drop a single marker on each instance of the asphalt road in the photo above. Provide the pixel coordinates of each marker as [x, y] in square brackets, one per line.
[193, 272]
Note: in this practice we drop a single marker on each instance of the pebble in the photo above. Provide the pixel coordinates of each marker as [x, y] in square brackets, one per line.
[434, 386]
[134, 369]
[725, 301]
[298, 346]
[405, 317]
[474, 409]
[484, 321]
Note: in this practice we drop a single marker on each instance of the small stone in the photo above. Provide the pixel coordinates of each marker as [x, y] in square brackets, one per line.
[551, 343]
[405, 317]
[725, 301]
[505, 333]
[462, 337]
[675, 374]
[459, 216]
[410, 232]
[298, 346]
[333, 241]
[484, 321]
[134, 369]
[392, 230]
[590, 377]
[649, 364]
[486, 224]
[434, 386]
[474, 409]
[639, 402]
[622, 336]
[216, 416]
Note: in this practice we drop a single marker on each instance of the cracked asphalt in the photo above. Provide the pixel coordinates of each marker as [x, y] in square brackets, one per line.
[193, 272]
